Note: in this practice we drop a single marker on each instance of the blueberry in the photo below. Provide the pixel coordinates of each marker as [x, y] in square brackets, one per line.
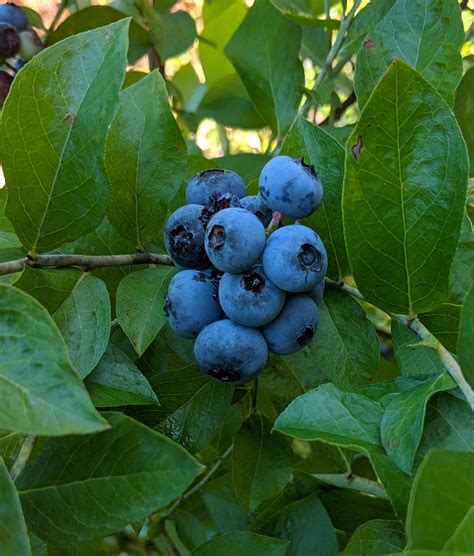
[250, 299]
[6, 81]
[235, 239]
[290, 186]
[317, 293]
[191, 302]
[215, 204]
[13, 15]
[30, 44]
[256, 205]
[215, 183]
[19, 64]
[230, 352]
[184, 237]
[294, 327]
[295, 259]
[9, 41]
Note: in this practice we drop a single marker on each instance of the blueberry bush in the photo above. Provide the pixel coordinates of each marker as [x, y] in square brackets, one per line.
[236, 278]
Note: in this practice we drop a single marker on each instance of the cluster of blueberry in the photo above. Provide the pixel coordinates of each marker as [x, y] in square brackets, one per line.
[248, 284]
[18, 44]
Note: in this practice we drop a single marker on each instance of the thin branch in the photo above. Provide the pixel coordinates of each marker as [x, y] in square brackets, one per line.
[88, 262]
[429, 340]
[353, 482]
[207, 477]
[23, 457]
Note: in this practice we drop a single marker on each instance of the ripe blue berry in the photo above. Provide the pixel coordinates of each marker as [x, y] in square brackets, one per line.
[294, 327]
[184, 237]
[294, 258]
[191, 302]
[13, 15]
[250, 299]
[290, 186]
[213, 183]
[235, 239]
[9, 41]
[230, 352]
[317, 293]
[256, 205]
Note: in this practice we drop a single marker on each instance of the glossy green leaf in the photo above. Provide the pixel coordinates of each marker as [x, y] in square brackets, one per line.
[402, 421]
[306, 524]
[117, 476]
[412, 31]
[443, 483]
[97, 16]
[344, 417]
[269, 67]
[145, 160]
[443, 322]
[462, 540]
[466, 338]
[80, 307]
[448, 426]
[42, 393]
[140, 302]
[57, 188]
[411, 358]
[179, 33]
[464, 110]
[192, 406]
[405, 187]
[116, 381]
[261, 463]
[462, 269]
[376, 537]
[13, 534]
[242, 542]
[327, 155]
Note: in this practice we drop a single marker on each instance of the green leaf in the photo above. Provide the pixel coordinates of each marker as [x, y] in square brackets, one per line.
[140, 301]
[179, 33]
[412, 31]
[443, 322]
[305, 12]
[98, 16]
[42, 394]
[402, 421]
[376, 537]
[448, 426]
[269, 67]
[145, 160]
[464, 110]
[116, 381]
[261, 463]
[117, 476]
[12, 523]
[192, 406]
[57, 188]
[462, 539]
[306, 524]
[242, 542]
[34, 18]
[466, 335]
[462, 269]
[404, 194]
[191, 531]
[344, 417]
[444, 484]
[327, 155]
[412, 359]
[80, 307]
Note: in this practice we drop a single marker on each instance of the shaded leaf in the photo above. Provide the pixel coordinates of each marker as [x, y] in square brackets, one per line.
[404, 194]
[443, 322]
[464, 110]
[10, 444]
[327, 155]
[116, 381]
[140, 301]
[42, 394]
[412, 31]
[444, 482]
[242, 542]
[179, 33]
[117, 476]
[261, 463]
[145, 160]
[376, 537]
[269, 67]
[13, 533]
[57, 188]
[466, 336]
